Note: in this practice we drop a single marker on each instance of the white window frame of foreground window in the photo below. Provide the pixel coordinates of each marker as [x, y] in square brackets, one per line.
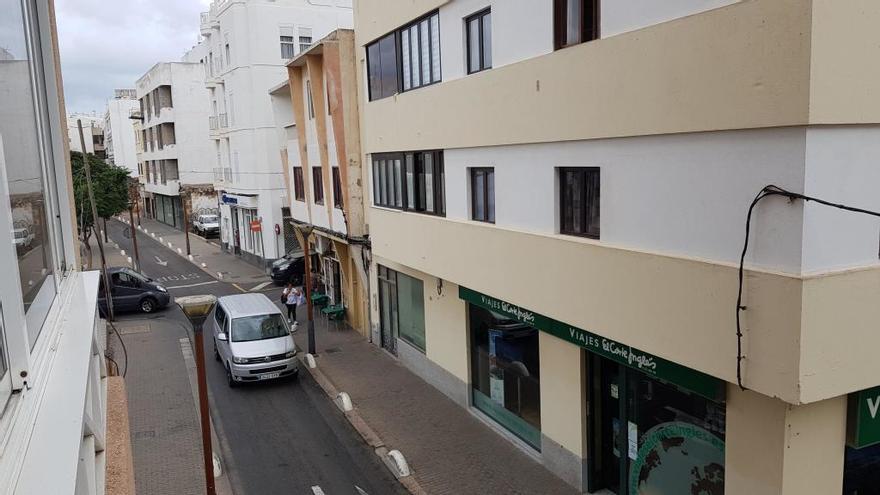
[27, 343]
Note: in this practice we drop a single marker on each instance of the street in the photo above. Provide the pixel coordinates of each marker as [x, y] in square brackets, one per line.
[282, 437]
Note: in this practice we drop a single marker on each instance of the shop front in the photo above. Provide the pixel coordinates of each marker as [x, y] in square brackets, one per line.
[653, 426]
[861, 470]
[168, 210]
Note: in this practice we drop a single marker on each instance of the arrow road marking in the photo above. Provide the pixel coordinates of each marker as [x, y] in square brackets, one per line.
[316, 490]
[360, 490]
[158, 260]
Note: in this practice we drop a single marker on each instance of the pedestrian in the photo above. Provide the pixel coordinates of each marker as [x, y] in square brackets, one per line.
[285, 292]
[291, 301]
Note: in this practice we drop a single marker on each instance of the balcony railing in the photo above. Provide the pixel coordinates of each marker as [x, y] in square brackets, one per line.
[224, 122]
[204, 17]
[212, 122]
[222, 174]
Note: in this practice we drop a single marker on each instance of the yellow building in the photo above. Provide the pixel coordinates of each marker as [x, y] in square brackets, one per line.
[559, 191]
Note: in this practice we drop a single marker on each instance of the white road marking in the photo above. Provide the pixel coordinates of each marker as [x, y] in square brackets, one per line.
[192, 285]
[316, 490]
[159, 260]
[255, 289]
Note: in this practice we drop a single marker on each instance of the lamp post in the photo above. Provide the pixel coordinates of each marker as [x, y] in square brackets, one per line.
[134, 239]
[196, 309]
[306, 232]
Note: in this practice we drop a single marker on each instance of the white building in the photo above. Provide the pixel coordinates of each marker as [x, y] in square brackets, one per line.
[53, 384]
[119, 129]
[176, 152]
[246, 44]
[93, 133]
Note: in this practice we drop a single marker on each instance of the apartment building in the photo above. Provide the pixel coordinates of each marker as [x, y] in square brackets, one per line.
[93, 133]
[316, 113]
[119, 129]
[559, 194]
[53, 384]
[175, 164]
[246, 44]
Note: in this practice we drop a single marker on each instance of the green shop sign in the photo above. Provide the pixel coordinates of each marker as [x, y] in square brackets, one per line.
[708, 386]
[863, 422]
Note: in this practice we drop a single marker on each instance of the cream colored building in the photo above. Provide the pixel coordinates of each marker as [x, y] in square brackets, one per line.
[557, 216]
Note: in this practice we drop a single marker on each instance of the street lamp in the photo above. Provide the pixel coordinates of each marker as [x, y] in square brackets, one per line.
[306, 232]
[196, 309]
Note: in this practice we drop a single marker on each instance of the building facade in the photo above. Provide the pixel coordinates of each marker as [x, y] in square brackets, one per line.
[245, 46]
[322, 162]
[558, 200]
[53, 384]
[175, 164]
[119, 129]
[93, 133]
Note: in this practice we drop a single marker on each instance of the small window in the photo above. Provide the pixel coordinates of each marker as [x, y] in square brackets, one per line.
[575, 21]
[479, 41]
[287, 47]
[299, 191]
[337, 188]
[318, 185]
[579, 201]
[311, 103]
[382, 67]
[304, 43]
[483, 194]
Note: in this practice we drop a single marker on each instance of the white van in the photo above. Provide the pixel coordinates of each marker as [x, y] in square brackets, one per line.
[252, 339]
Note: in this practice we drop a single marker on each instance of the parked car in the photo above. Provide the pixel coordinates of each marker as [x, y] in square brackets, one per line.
[252, 340]
[22, 238]
[289, 269]
[132, 291]
[206, 225]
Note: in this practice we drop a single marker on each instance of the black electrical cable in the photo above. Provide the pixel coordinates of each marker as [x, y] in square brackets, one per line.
[122, 342]
[771, 190]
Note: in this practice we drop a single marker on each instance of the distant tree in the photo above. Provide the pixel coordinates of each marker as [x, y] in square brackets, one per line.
[110, 186]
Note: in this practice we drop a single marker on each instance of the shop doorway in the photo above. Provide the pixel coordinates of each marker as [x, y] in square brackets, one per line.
[333, 280]
[388, 319]
[649, 436]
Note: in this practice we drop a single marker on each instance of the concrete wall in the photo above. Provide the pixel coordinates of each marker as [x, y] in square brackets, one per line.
[119, 133]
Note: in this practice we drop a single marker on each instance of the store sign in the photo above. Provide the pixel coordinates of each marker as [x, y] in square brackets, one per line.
[229, 200]
[863, 422]
[256, 226]
[708, 386]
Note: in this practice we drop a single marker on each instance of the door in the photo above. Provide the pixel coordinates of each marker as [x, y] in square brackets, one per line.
[388, 321]
[236, 231]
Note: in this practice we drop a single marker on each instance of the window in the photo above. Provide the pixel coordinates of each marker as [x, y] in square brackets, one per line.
[318, 185]
[579, 201]
[288, 46]
[479, 41]
[413, 181]
[420, 52]
[403, 309]
[311, 103]
[299, 191]
[228, 55]
[171, 172]
[337, 188]
[575, 21]
[483, 194]
[382, 67]
[304, 43]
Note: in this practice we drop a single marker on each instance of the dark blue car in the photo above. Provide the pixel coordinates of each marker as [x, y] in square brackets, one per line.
[132, 291]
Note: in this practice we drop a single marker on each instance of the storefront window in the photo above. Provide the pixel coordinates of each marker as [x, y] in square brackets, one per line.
[861, 470]
[26, 155]
[506, 373]
[403, 309]
[652, 437]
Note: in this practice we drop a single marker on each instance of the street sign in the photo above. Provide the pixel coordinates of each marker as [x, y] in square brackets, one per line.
[863, 418]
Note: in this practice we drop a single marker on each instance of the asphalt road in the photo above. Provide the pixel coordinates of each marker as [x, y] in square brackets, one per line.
[284, 437]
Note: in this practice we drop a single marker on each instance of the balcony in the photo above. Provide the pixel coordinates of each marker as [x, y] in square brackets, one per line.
[223, 121]
[222, 174]
[212, 123]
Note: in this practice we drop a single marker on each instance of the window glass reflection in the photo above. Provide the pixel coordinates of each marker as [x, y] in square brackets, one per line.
[22, 156]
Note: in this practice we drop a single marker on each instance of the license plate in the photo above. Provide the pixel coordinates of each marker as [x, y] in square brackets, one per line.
[269, 376]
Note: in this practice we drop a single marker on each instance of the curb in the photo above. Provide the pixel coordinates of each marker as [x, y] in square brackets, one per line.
[364, 430]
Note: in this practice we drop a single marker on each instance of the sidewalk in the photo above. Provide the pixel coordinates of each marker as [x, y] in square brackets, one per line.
[449, 450]
[206, 254]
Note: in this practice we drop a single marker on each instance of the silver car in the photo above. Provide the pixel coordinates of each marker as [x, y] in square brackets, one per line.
[252, 339]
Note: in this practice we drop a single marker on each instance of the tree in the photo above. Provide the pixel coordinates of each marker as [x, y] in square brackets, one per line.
[110, 186]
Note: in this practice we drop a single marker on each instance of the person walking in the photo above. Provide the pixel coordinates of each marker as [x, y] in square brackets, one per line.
[289, 298]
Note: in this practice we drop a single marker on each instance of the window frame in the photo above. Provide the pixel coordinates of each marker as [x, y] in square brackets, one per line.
[584, 182]
[487, 198]
[289, 44]
[318, 185]
[401, 186]
[299, 190]
[560, 23]
[397, 35]
[467, 20]
[338, 201]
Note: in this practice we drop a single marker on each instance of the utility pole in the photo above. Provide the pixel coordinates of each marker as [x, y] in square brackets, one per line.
[306, 233]
[183, 198]
[134, 239]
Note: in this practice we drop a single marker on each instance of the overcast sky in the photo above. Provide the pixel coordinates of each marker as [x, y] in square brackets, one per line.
[109, 44]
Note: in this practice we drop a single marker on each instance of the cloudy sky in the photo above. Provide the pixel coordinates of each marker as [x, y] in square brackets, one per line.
[109, 44]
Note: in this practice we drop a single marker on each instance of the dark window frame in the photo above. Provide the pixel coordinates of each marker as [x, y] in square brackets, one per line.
[377, 44]
[488, 199]
[588, 230]
[337, 188]
[419, 201]
[398, 56]
[299, 190]
[318, 185]
[588, 31]
[467, 20]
